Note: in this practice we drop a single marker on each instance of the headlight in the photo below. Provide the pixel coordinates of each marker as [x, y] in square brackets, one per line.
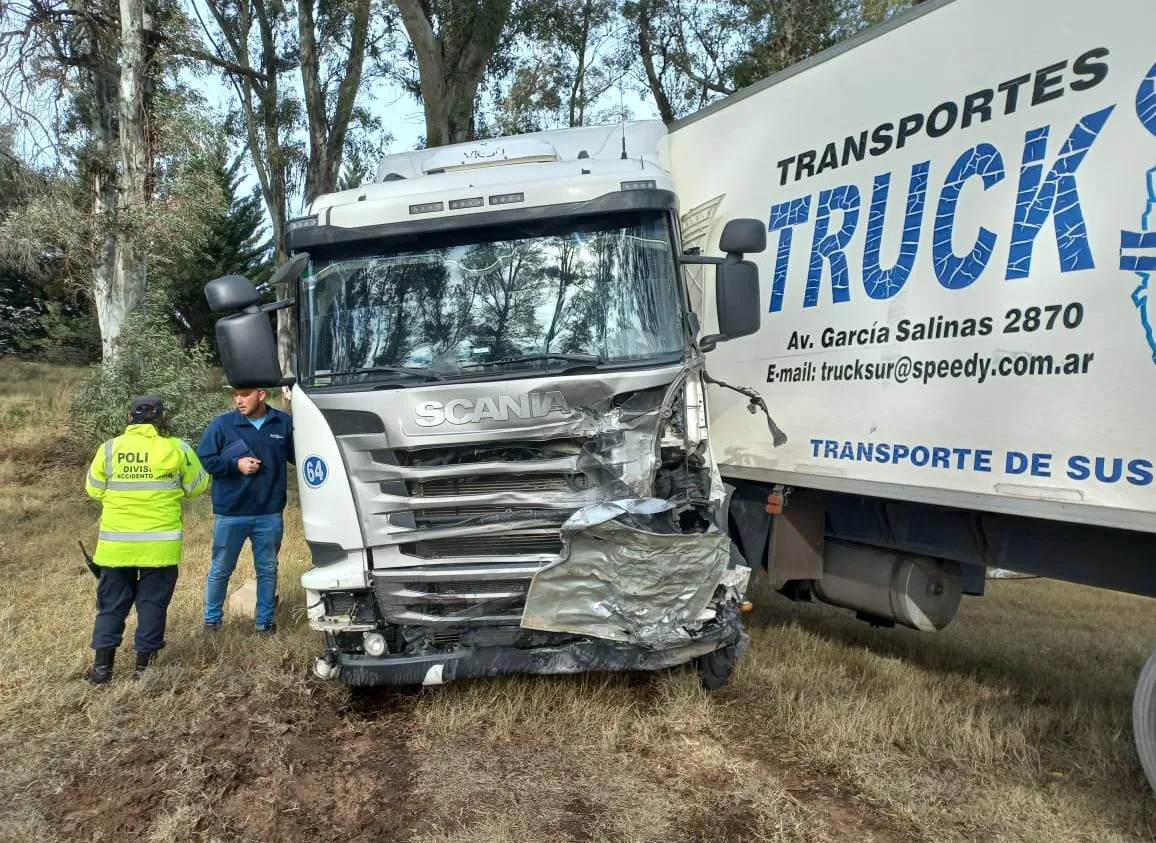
[374, 643]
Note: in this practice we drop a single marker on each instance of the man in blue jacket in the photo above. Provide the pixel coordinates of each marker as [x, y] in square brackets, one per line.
[247, 451]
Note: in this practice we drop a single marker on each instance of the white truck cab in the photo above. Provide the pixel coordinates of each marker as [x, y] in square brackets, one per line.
[500, 413]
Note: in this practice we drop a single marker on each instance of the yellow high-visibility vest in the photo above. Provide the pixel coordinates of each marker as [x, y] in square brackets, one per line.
[142, 477]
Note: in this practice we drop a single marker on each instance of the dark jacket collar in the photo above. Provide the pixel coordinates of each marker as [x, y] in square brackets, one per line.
[271, 414]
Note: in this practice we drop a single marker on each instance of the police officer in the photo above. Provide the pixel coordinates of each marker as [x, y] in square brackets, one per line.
[141, 477]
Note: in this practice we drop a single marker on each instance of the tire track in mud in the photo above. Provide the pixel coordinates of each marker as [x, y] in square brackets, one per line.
[300, 766]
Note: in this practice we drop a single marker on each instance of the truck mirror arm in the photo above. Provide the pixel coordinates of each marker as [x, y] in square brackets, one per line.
[710, 341]
[706, 260]
[273, 307]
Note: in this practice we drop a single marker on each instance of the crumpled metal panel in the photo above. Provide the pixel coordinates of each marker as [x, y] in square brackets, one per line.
[621, 578]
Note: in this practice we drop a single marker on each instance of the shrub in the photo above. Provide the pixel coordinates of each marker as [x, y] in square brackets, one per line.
[150, 361]
[65, 335]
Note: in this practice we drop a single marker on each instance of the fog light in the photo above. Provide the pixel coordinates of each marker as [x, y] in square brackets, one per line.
[374, 643]
[323, 668]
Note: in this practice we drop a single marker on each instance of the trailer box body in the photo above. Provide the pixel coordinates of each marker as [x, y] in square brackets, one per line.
[961, 213]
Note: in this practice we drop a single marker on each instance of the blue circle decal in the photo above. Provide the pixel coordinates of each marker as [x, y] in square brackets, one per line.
[315, 471]
[1146, 101]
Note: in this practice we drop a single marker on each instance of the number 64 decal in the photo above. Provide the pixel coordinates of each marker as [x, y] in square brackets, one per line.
[315, 471]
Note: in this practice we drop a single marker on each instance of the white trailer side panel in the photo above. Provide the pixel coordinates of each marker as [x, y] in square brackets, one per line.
[959, 251]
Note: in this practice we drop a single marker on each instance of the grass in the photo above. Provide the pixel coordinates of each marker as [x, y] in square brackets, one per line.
[1012, 724]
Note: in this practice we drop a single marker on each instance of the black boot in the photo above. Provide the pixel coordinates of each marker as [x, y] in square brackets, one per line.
[102, 667]
[143, 660]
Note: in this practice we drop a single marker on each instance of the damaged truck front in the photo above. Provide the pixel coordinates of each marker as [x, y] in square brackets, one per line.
[500, 413]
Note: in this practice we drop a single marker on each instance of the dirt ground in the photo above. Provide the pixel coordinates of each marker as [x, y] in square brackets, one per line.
[328, 767]
[313, 769]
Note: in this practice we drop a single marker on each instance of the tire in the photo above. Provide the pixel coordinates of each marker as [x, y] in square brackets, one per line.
[1144, 719]
[715, 668]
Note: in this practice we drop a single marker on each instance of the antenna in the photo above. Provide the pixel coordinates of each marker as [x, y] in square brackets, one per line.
[622, 122]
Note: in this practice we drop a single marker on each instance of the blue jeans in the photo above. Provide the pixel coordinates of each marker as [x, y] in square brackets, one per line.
[229, 534]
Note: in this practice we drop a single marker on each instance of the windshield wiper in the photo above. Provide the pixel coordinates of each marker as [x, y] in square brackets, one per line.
[588, 359]
[411, 371]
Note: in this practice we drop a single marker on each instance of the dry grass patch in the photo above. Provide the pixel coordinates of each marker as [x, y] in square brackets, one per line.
[1012, 724]
[619, 758]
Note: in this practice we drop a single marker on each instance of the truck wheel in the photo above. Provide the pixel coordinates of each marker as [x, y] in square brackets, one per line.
[1144, 719]
[715, 668]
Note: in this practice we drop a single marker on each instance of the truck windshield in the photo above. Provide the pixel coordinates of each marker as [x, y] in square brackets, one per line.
[514, 300]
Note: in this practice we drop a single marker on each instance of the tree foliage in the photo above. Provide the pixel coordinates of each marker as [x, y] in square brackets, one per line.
[574, 55]
[123, 131]
[691, 54]
[236, 242]
[151, 362]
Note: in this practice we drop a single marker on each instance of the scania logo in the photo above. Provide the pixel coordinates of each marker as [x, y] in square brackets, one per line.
[536, 405]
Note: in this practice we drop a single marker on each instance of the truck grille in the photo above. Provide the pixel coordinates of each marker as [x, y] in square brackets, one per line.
[458, 524]
[479, 587]
[436, 595]
[501, 544]
[495, 483]
[486, 594]
[518, 452]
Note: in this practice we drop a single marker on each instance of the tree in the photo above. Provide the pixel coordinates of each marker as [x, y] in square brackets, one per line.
[78, 48]
[40, 311]
[103, 60]
[255, 43]
[657, 29]
[691, 54]
[574, 56]
[118, 296]
[329, 121]
[453, 41]
[236, 243]
[252, 44]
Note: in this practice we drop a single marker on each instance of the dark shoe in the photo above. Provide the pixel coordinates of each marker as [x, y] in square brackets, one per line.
[212, 627]
[268, 628]
[143, 660]
[101, 671]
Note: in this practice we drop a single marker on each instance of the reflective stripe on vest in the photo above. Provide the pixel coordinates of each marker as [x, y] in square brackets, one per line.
[108, 458]
[94, 482]
[185, 449]
[151, 536]
[144, 485]
[188, 487]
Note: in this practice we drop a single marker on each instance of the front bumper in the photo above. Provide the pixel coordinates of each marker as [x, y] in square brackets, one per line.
[586, 655]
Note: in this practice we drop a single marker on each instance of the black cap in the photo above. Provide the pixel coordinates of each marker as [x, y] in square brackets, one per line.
[146, 408]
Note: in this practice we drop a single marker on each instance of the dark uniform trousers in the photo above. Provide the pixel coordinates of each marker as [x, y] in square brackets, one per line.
[119, 589]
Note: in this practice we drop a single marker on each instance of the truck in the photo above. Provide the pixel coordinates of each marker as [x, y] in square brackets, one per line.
[868, 329]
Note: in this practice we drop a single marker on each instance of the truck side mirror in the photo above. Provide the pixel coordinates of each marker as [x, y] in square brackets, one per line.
[743, 236]
[736, 290]
[737, 299]
[230, 292]
[245, 340]
[248, 350]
